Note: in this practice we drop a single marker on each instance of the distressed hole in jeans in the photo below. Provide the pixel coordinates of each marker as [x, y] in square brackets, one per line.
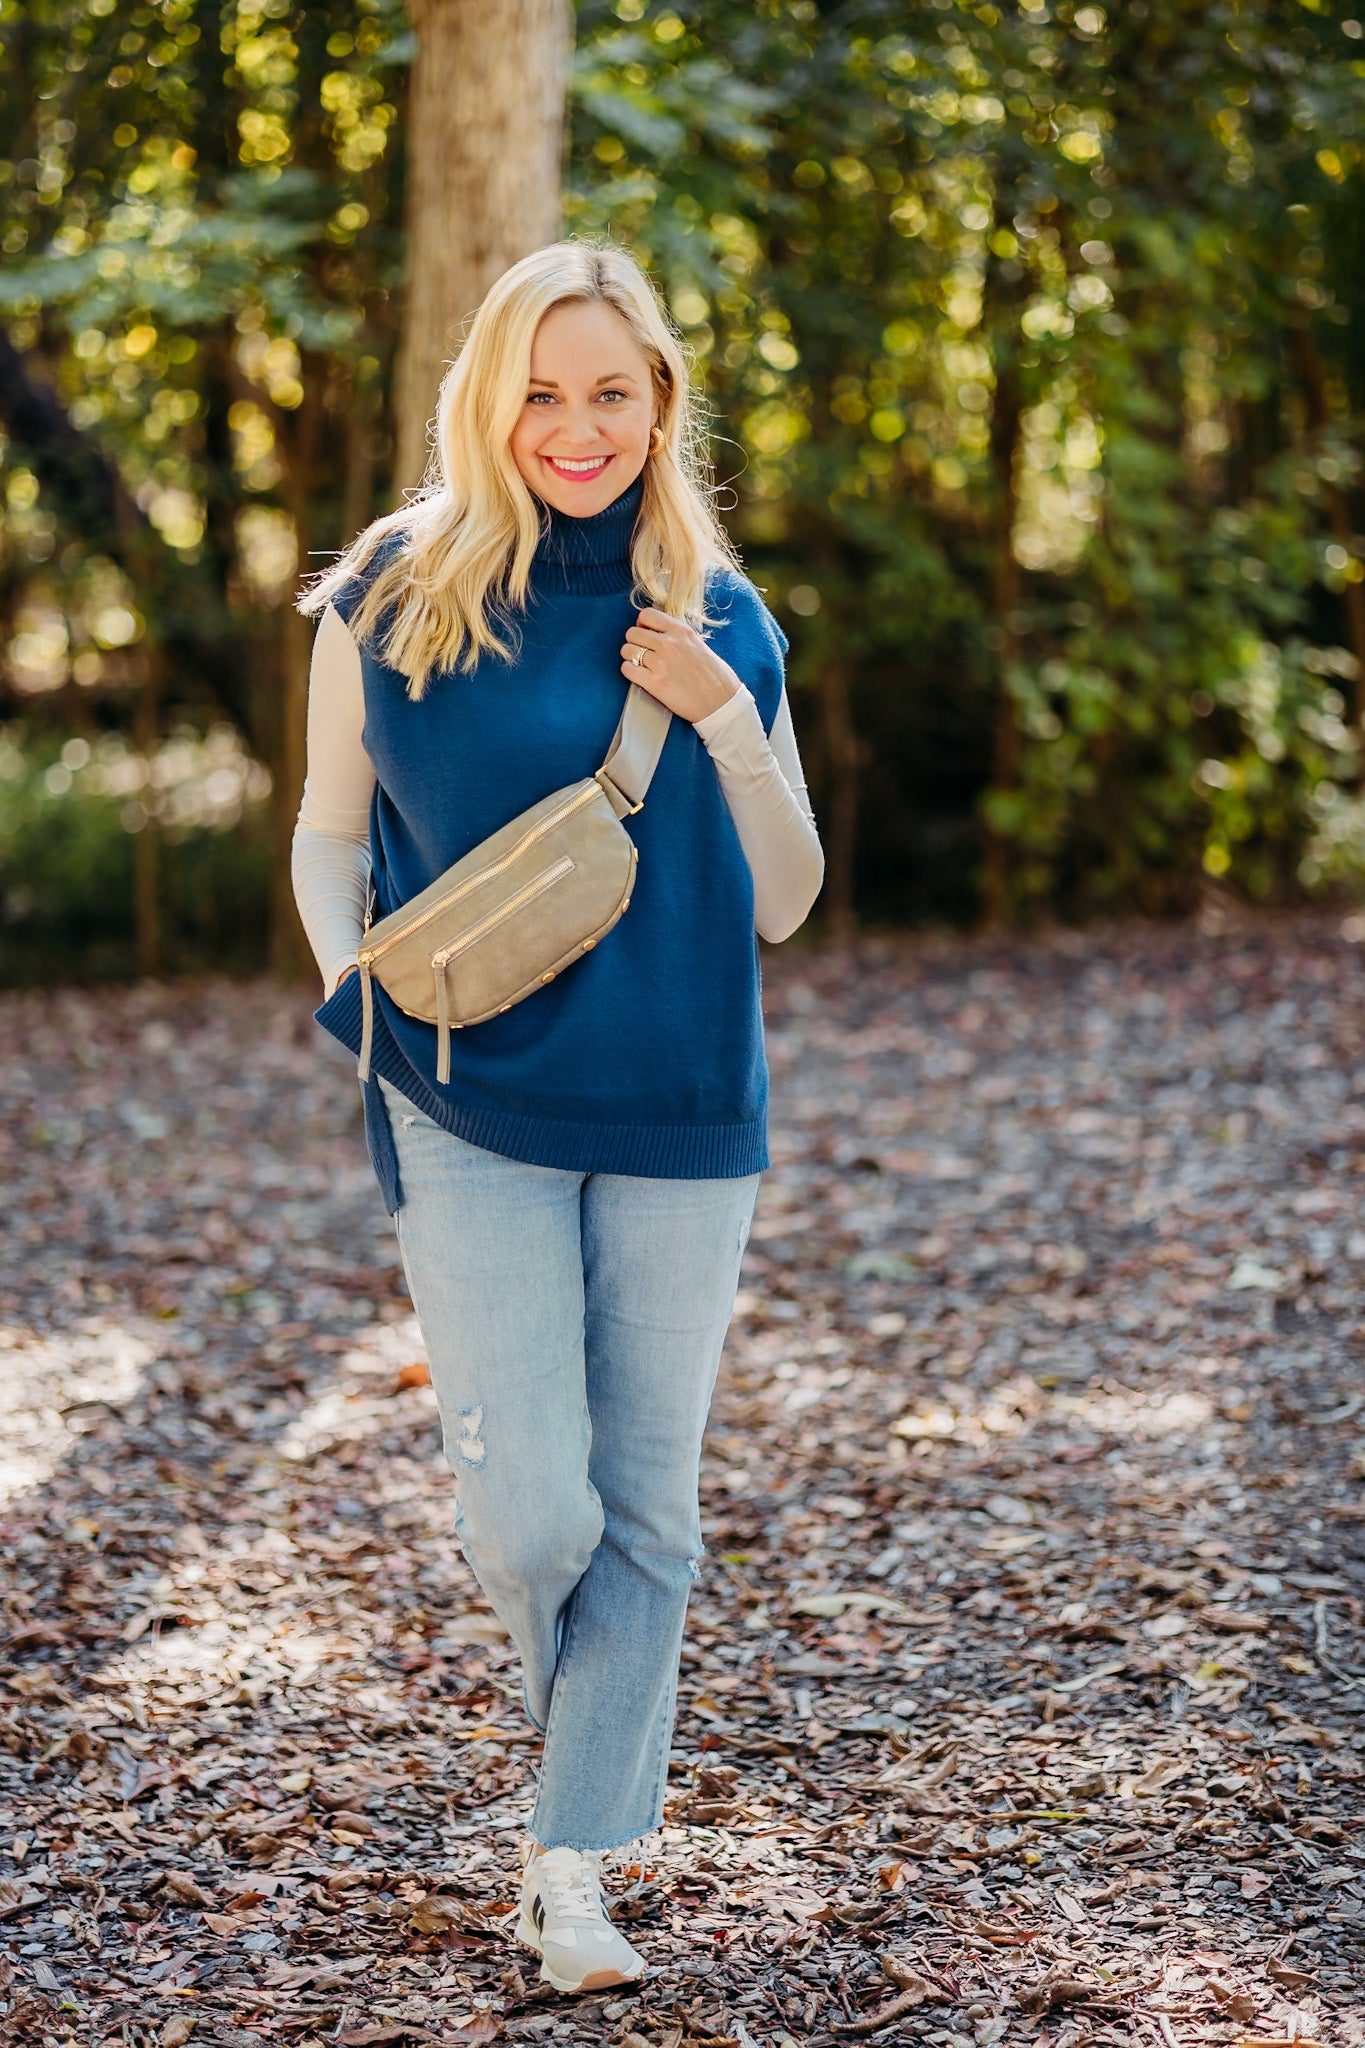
[470, 1449]
[694, 1567]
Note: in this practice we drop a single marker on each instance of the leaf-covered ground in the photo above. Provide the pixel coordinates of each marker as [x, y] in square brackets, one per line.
[1021, 1695]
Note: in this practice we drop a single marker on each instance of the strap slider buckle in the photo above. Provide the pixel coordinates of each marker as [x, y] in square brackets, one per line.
[616, 796]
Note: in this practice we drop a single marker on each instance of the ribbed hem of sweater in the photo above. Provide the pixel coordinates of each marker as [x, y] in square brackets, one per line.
[643, 1151]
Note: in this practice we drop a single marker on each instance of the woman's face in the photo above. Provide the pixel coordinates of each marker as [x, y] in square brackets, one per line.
[583, 435]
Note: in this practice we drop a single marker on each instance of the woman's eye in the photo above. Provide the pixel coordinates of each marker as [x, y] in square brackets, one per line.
[611, 394]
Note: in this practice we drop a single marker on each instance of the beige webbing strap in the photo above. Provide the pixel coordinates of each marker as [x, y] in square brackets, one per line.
[442, 1024]
[366, 1024]
[639, 741]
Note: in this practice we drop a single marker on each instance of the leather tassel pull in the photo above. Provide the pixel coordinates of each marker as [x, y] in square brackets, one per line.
[442, 1026]
[366, 1023]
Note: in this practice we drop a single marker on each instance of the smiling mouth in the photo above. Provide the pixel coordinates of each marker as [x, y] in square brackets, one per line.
[563, 466]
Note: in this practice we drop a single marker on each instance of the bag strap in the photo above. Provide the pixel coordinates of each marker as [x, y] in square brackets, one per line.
[634, 753]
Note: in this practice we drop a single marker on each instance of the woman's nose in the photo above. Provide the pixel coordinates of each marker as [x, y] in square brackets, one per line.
[579, 428]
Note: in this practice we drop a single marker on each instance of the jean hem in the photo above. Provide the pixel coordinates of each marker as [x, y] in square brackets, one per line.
[597, 1848]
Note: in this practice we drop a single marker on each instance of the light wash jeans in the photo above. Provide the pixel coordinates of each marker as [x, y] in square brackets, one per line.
[575, 1323]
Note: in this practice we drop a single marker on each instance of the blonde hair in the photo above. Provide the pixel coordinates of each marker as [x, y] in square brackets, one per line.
[467, 538]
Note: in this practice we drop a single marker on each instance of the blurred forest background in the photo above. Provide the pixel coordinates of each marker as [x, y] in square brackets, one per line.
[1031, 338]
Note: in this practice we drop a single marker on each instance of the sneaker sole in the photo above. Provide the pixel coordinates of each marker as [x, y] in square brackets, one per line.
[596, 1980]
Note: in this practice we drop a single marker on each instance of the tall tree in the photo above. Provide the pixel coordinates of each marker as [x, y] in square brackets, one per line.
[485, 143]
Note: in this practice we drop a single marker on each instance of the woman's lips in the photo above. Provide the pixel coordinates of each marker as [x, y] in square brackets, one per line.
[580, 472]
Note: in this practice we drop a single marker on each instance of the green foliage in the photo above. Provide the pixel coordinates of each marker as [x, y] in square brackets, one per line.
[67, 844]
[1027, 335]
[1016, 314]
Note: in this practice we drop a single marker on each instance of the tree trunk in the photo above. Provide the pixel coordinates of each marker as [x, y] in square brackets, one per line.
[485, 139]
[1005, 291]
[299, 442]
[362, 431]
[147, 843]
[843, 757]
[290, 954]
[1314, 380]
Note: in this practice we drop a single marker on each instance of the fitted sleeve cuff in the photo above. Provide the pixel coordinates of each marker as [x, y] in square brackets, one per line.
[736, 719]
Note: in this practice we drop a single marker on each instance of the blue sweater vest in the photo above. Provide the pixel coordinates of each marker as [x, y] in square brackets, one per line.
[645, 1057]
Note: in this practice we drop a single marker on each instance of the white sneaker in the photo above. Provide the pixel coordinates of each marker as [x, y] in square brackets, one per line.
[564, 1919]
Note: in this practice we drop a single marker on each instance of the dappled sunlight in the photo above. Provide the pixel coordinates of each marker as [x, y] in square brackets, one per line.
[1023, 1651]
[358, 1400]
[54, 1388]
[1149, 1414]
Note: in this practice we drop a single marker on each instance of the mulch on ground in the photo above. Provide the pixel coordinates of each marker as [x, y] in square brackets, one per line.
[1024, 1692]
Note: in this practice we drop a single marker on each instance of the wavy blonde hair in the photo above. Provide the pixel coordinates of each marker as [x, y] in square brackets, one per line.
[467, 538]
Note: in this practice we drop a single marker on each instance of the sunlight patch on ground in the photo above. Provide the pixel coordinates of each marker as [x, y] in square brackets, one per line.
[46, 1383]
[339, 1411]
[1118, 1411]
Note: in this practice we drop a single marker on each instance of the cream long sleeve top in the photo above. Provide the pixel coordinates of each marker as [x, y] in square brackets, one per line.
[760, 776]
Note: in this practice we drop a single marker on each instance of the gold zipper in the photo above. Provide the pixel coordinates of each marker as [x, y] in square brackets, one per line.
[505, 910]
[370, 954]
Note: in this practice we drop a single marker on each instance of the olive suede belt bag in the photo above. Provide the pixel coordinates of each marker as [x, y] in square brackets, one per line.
[524, 904]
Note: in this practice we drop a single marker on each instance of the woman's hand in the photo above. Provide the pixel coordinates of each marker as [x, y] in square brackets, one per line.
[670, 659]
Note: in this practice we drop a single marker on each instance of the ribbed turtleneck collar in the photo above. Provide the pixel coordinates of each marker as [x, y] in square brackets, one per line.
[588, 557]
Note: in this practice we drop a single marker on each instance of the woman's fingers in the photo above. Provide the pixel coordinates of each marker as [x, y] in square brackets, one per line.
[649, 679]
[670, 659]
[664, 626]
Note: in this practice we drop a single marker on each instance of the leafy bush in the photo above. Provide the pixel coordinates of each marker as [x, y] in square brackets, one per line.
[70, 817]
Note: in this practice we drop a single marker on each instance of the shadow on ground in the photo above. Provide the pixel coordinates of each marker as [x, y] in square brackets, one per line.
[1021, 1695]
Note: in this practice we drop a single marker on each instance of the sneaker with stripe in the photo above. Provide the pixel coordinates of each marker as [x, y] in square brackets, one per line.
[564, 1920]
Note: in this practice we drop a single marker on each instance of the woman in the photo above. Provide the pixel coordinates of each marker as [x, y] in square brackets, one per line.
[572, 1204]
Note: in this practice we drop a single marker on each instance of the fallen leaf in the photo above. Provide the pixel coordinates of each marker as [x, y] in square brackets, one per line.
[15, 1897]
[434, 1915]
[1238, 2005]
[483, 2028]
[1251, 1273]
[1277, 2041]
[829, 1604]
[1235, 1621]
[228, 1924]
[358, 1825]
[39, 1637]
[935, 1422]
[1059, 1986]
[1008, 1507]
[1009, 1542]
[1109, 1670]
[183, 1887]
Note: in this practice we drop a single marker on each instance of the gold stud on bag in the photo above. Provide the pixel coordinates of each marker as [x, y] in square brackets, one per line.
[524, 904]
